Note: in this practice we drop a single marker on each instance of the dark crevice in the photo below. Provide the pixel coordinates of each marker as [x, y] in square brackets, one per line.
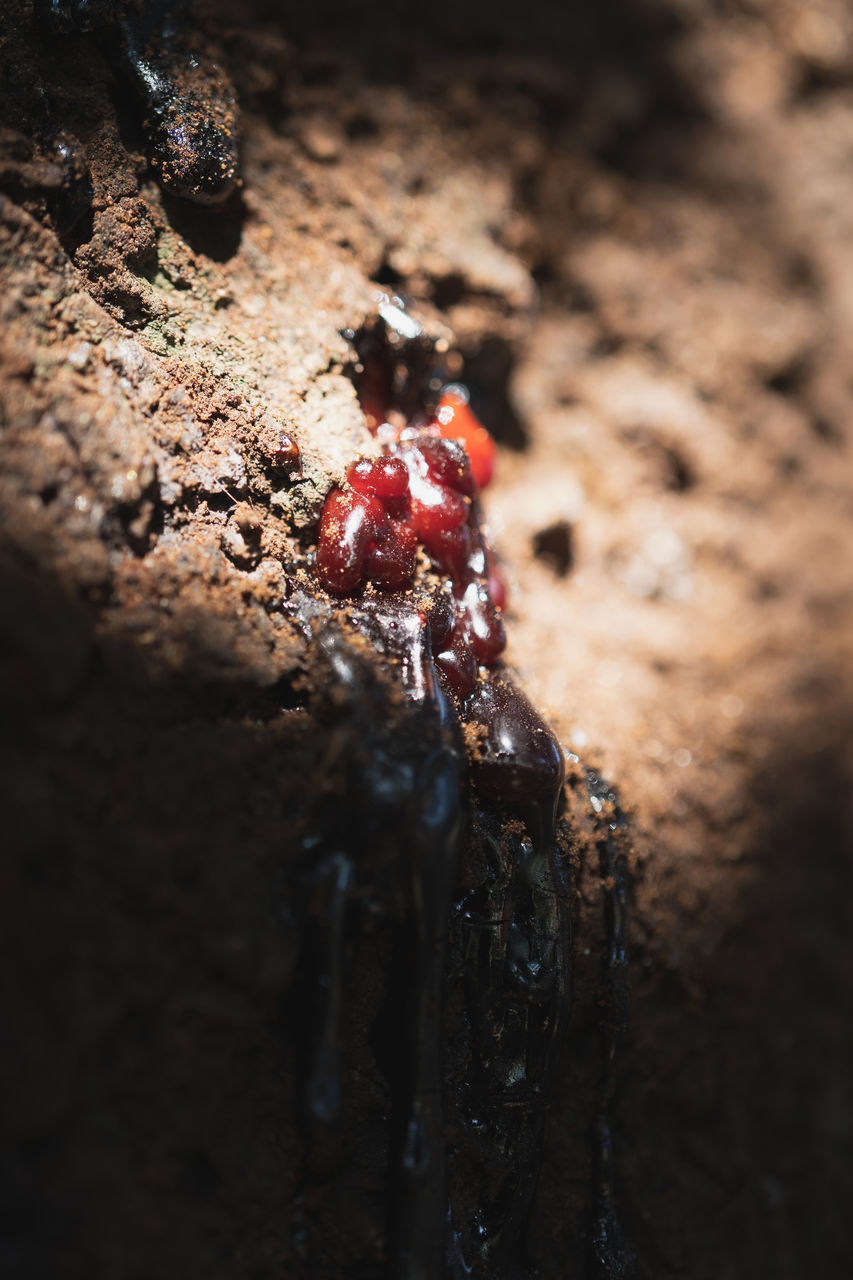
[361, 126]
[828, 431]
[789, 380]
[555, 547]
[488, 373]
[448, 291]
[388, 276]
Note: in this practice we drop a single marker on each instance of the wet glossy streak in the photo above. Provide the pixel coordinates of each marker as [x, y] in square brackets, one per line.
[330, 887]
[610, 1256]
[400, 839]
[429, 844]
[510, 952]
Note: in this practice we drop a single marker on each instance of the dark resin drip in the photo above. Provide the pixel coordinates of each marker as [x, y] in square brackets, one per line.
[611, 1257]
[511, 952]
[399, 370]
[189, 104]
[52, 167]
[508, 953]
[398, 839]
[518, 760]
[73, 198]
[330, 886]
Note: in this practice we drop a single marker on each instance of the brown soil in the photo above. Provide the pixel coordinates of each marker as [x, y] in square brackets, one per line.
[635, 228]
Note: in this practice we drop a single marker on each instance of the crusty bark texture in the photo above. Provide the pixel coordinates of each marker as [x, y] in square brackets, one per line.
[630, 225]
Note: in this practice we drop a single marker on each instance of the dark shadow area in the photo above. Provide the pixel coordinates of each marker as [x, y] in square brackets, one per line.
[487, 372]
[214, 232]
[796, 992]
[149, 835]
[582, 36]
[751, 1101]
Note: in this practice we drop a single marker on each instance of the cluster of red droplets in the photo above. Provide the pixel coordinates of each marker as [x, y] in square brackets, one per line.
[423, 491]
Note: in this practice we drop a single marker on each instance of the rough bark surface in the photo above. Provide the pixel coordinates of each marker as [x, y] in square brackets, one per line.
[632, 225]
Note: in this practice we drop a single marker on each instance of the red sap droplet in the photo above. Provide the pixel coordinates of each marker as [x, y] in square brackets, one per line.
[391, 562]
[385, 478]
[350, 521]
